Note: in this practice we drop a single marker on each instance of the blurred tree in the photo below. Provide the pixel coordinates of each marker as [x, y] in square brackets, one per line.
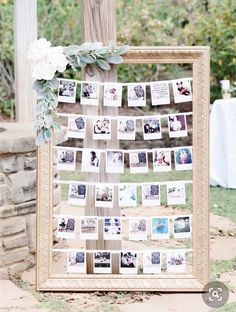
[149, 22]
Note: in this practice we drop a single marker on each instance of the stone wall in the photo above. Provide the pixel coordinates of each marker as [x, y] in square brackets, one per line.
[17, 198]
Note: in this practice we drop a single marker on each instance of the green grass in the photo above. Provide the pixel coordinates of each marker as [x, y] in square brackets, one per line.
[222, 266]
[222, 200]
[230, 307]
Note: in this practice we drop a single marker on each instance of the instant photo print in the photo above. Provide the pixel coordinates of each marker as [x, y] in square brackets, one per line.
[182, 226]
[161, 160]
[66, 226]
[77, 194]
[112, 228]
[182, 90]
[151, 262]
[176, 193]
[175, 261]
[160, 93]
[112, 94]
[102, 262]
[183, 158]
[126, 128]
[137, 95]
[90, 160]
[76, 261]
[89, 228]
[151, 194]
[67, 90]
[151, 128]
[127, 195]
[138, 161]
[104, 195]
[76, 127]
[66, 159]
[102, 129]
[128, 262]
[114, 161]
[160, 228]
[137, 228]
[177, 126]
[89, 94]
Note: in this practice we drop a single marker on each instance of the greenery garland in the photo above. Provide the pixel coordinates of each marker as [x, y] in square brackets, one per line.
[93, 55]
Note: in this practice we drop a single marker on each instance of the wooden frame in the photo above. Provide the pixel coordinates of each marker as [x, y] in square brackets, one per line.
[46, 281]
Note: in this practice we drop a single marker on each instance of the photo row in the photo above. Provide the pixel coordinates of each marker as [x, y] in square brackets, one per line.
[136, 92]
[127, 194]
[153, 261]
[126, 127]
[139, 228]
[115, 163]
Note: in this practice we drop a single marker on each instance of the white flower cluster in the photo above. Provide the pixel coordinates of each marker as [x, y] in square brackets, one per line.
[45, 59]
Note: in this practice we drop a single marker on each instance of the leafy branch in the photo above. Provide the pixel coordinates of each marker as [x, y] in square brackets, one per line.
[93, 55]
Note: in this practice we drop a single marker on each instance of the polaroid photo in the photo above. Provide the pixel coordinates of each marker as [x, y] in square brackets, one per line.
[138, 161]
[152, 128]
[66, 158]
[151, 194]
[126, 128]
[114, 161]
[182, 226]
[102, 128]
[161, 160]
[102, 262]
[66, 227]
[160, 93]
[127, 195]
[137, 95]
[176, 193]
[76, 261]
[137, 228]
[89, 228]
[90, 160]
[182, 90]
[183, 158]
[67, 90]
[112, 228]
[128, 262]
[76, 127]
[175, 261]
[177, 126]
[104, 196]
[112, 94]
[89, 94]
[77, 194]
[151, 262]
[160, 228]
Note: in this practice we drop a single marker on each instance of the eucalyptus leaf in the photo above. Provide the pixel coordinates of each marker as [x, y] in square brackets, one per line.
[96, 45]
[103, 64]
[54, 83]
[122, 50]
[86, 46]
[47, 134]
[72, 50]
[87, 59]
[114, 59]
[40, 138]
[38, 85]
[48, 119]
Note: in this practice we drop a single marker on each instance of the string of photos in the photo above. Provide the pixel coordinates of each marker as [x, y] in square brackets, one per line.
[115, 159]
[127, 193]
[139, 228]
[153, 261]
[136, 92]
[126, 126]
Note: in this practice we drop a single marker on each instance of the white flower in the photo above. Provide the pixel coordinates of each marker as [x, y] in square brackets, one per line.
[56, 58]
[43, 70]
[38, 49]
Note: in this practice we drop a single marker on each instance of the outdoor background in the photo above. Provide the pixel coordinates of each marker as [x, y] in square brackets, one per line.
[149, 22]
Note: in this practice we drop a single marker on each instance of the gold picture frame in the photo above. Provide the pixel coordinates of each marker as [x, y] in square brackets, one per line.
[47, 281]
